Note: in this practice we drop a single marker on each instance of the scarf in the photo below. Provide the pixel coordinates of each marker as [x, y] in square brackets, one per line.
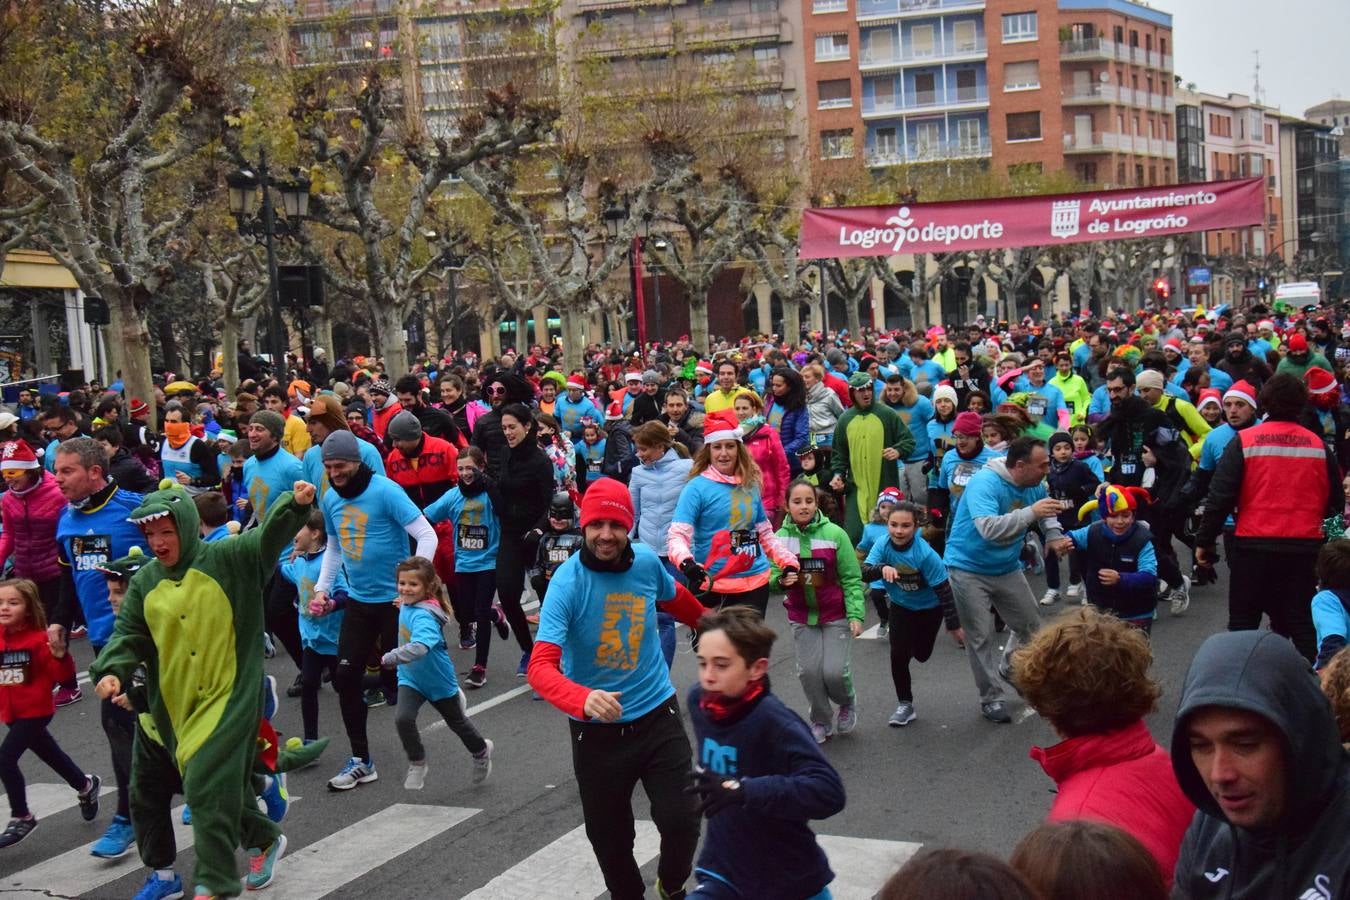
[356, 485]
[177, 433]
[723, 709]
[622, 564]
[752, 423]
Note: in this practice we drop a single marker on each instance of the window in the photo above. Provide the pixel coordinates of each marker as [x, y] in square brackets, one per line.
[1148, 42]
[1118, 34]
[829, 6]
[966, 89]
[963, 36]
[921, 41]
[1087, 172]
[769, 100]
[764, 6]
[1162, 46]
[765, 54]
[1021, 76]
[968, 135]
[883, 93]
[880, 46]
[831, 47]
[887, 142]
[1220, 126]
[834, 94]
[718, 58]
[1269, 135]
[927, 137]
[1019, 27]
[1024, 126]
[836, 144]
[1134, 39]
[925, 89]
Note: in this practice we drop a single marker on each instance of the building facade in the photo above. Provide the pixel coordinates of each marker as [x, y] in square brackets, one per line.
[1335, 114]
[1312, 207]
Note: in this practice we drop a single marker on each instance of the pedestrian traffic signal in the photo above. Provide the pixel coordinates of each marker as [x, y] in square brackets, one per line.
[1162, 289]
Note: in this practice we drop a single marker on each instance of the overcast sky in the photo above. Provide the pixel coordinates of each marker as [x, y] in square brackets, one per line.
[1304, 46]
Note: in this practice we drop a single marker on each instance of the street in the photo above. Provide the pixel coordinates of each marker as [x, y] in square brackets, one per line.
[948, 779]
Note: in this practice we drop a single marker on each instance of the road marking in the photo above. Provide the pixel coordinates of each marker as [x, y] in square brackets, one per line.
[567, 866]
[47, 799]
[75, 872]
[322, 867]
[870, 634]
[862, 865]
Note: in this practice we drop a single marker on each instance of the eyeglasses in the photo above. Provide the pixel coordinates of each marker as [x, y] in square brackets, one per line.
[496, 390]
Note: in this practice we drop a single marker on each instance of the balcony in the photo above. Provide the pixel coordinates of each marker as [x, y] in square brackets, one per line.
[880, 10]
[924, 101]
[1111, 142]
[616, 38]
[895, 57]
[741, 27]
[892, 155]
[1090, 48]
[1094, 93]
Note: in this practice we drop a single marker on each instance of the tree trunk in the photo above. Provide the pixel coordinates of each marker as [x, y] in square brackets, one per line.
[129, 331]
[851, 317]
[168, 346]
[573, 339]
[322, 334]
[390, 340]
[792, 322]
[229, 354]
[698, 323]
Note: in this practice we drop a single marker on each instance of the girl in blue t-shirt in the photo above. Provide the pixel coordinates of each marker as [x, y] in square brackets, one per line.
[873, 533]
[425, 672]
[921, 599]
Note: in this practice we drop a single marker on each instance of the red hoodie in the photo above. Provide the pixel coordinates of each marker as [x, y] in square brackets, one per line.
[28, 672]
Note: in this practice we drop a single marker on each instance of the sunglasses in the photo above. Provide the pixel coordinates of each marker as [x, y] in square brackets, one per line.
[496, 390]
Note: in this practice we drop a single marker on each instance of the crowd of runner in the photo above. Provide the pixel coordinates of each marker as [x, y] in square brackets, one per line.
[378, 533]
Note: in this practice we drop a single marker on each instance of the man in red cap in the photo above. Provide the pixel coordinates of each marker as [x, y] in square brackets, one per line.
[597, 657]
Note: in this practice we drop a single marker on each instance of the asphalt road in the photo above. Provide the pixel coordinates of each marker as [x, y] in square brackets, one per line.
[949, 779]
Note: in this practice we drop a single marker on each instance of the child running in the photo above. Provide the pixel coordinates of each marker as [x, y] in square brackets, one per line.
[759, 778]
[318, 630]
[1072, 482]
[31, 665]
[425, 672]
[825, 606]
[873, 531]
[1120, 568]
[921, 599]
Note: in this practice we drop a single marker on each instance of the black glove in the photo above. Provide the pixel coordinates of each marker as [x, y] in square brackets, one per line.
[715, 792]
[694, 573]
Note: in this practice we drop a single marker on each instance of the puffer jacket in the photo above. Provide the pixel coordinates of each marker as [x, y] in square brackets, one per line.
[30, 529]
[823, 409]
[766, 449]
[655, 489]
[829, 584]
[793, 429]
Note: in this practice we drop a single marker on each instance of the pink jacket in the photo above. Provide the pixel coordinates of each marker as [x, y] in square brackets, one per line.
[30, 529]
[1122, 778]
[766, 449]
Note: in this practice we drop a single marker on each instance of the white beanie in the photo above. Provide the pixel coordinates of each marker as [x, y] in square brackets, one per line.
[944, 392]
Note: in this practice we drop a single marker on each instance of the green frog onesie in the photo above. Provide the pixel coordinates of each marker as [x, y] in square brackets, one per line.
[197, 626]
[861, 436]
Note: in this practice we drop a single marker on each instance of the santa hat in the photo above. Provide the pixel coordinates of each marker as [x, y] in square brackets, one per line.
[614, 411]
[1174, 345]
[1208, 396]
[891, 495]
[703, 368]
[1319, 381]
[630, 377]
[18, 455]
[1112, 498]
[1297, 343]
[576, 384]
[1265, 325]
[1243, 391]
[721, 426]
[968, 423]
[607, 499]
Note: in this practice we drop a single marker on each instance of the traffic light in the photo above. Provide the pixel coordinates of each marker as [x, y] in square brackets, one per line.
[1162, 289]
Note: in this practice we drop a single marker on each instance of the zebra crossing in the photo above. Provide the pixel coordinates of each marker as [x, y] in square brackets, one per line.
[563, 869]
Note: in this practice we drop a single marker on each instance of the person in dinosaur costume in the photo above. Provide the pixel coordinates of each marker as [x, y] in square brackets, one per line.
[194, 618]
[869, 448]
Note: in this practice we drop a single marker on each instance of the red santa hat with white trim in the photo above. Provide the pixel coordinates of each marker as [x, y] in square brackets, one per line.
[722, 426]
[575, 384]
[1243, 391]
[18, 455]
[703, 368]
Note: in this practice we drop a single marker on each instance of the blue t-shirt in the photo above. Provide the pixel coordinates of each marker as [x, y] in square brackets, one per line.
[433, 674]
[1214, 445]
[873, 533]
[956, 471]
[1045, 404]
[317, 633]
[605, 623]
[316, 475]
[1094, 462]
[919, 568]
[569, 414]
[988, 494]
[1100, 403]
[267, 479]
[219, 533]
[372, 531]
[477, 529]
[916, 419]
[725, 519]
[89, 538]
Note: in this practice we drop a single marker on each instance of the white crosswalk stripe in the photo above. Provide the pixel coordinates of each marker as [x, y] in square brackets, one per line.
[567, 865]
[47, 799]
[862, 865]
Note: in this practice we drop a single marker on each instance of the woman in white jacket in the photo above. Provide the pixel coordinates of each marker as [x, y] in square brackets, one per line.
[823, 406]
[655, 484]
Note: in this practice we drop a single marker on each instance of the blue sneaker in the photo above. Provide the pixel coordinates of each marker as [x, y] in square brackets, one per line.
[269, 697]
[187, 814]
[116, 841]
[156, 888]
[262, 864]
[276, 798]
[524, 665]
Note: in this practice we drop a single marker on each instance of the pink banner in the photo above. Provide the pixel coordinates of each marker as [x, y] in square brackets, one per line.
[1031, 221]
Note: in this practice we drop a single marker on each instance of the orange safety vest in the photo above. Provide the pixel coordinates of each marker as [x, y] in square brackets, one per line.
[1284, 482]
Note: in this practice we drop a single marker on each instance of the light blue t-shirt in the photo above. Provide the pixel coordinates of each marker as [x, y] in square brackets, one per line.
[873, 533]
[1100, 403]
[317, 476]
[372, 532]
[477, 529]
[433, 674]
[988, 494]
[605, 623]
[1045, 403]
[919, 568]
[267, 479]
[317, 633]
[725, 519]
[916, 419]
[1214, 445]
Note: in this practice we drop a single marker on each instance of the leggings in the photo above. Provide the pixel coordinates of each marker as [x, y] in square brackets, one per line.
[1052, 568]
[364, 627]
[913, 632]
[312, 666]
[881, 603]
[32, 734]
[512, 562]
[758, 598]
[281, 618]
[476, 589]
[451, 709]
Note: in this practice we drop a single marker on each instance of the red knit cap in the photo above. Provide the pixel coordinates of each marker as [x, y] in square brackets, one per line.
[1297, 343]
[968, 423]
[138, 406]
[17, 455]
[1209, 395]
[607, 499]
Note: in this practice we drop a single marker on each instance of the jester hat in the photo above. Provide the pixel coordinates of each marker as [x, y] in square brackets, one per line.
[1112, 498]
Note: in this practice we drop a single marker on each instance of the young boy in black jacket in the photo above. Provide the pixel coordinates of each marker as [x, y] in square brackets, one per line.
[1073, 483]
[760, 777]
[556, 544]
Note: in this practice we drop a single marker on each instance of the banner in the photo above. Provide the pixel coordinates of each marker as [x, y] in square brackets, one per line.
[1031, 221]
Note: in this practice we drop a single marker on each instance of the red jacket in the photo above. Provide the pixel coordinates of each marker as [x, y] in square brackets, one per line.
[839, 384]
[766, 449]
[28, 671]
[30, 529]
[429, 474]
[1122, 778]
[1276, 455]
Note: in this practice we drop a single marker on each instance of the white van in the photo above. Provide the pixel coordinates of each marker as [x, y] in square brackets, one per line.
[1299, 293]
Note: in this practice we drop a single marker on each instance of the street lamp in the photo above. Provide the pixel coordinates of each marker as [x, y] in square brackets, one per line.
[453, 264]
[659, 244]
[262, 222]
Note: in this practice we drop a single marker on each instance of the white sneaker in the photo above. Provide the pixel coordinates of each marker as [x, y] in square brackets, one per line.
[416, 779]
[355, 772]
[1074, 591]
[482, 764]
[1050, 597]
[1181, 597]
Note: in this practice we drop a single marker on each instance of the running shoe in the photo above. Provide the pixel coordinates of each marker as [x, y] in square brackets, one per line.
[884, 631]
[477, 677]
[1181, 596]
[296, 688]
[499, 620]
[1075, 590]
[269, 646]
[820, 732]
[524, 665]
[262, 864]
[187, 814]
[65, 696]
[89, 799]
[203, 894]
[663, 894]
[357, 771]
[467, 638]
[17, 830]
[275, 797]
[903, 715]
[482, 764]
[375, 697]
[533, 618]
[848, 718]
[156, 888]
[116, 841]
[79, 631]
[996, 711]
[1050, 597]
[270, 701]
[416, 778]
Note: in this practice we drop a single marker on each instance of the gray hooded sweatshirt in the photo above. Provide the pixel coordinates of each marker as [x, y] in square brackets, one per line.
[1305, 857]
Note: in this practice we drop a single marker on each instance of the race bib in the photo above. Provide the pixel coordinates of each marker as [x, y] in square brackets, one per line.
[1037, 406]
[557, 555]
[89, 551]
[593, 466]
[472, 537]
[909, 580]
[962, 473]
[14, 667]
[745, 542]
[813, 571]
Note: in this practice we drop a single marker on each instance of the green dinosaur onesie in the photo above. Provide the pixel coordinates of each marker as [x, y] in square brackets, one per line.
[198, 628]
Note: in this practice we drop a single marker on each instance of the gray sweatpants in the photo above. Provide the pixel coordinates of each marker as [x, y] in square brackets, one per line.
[913, 482]
[1011, 596]
[824, 666]
[450, 708]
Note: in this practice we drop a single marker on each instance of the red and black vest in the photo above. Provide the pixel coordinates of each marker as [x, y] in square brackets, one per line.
[1284, 482]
